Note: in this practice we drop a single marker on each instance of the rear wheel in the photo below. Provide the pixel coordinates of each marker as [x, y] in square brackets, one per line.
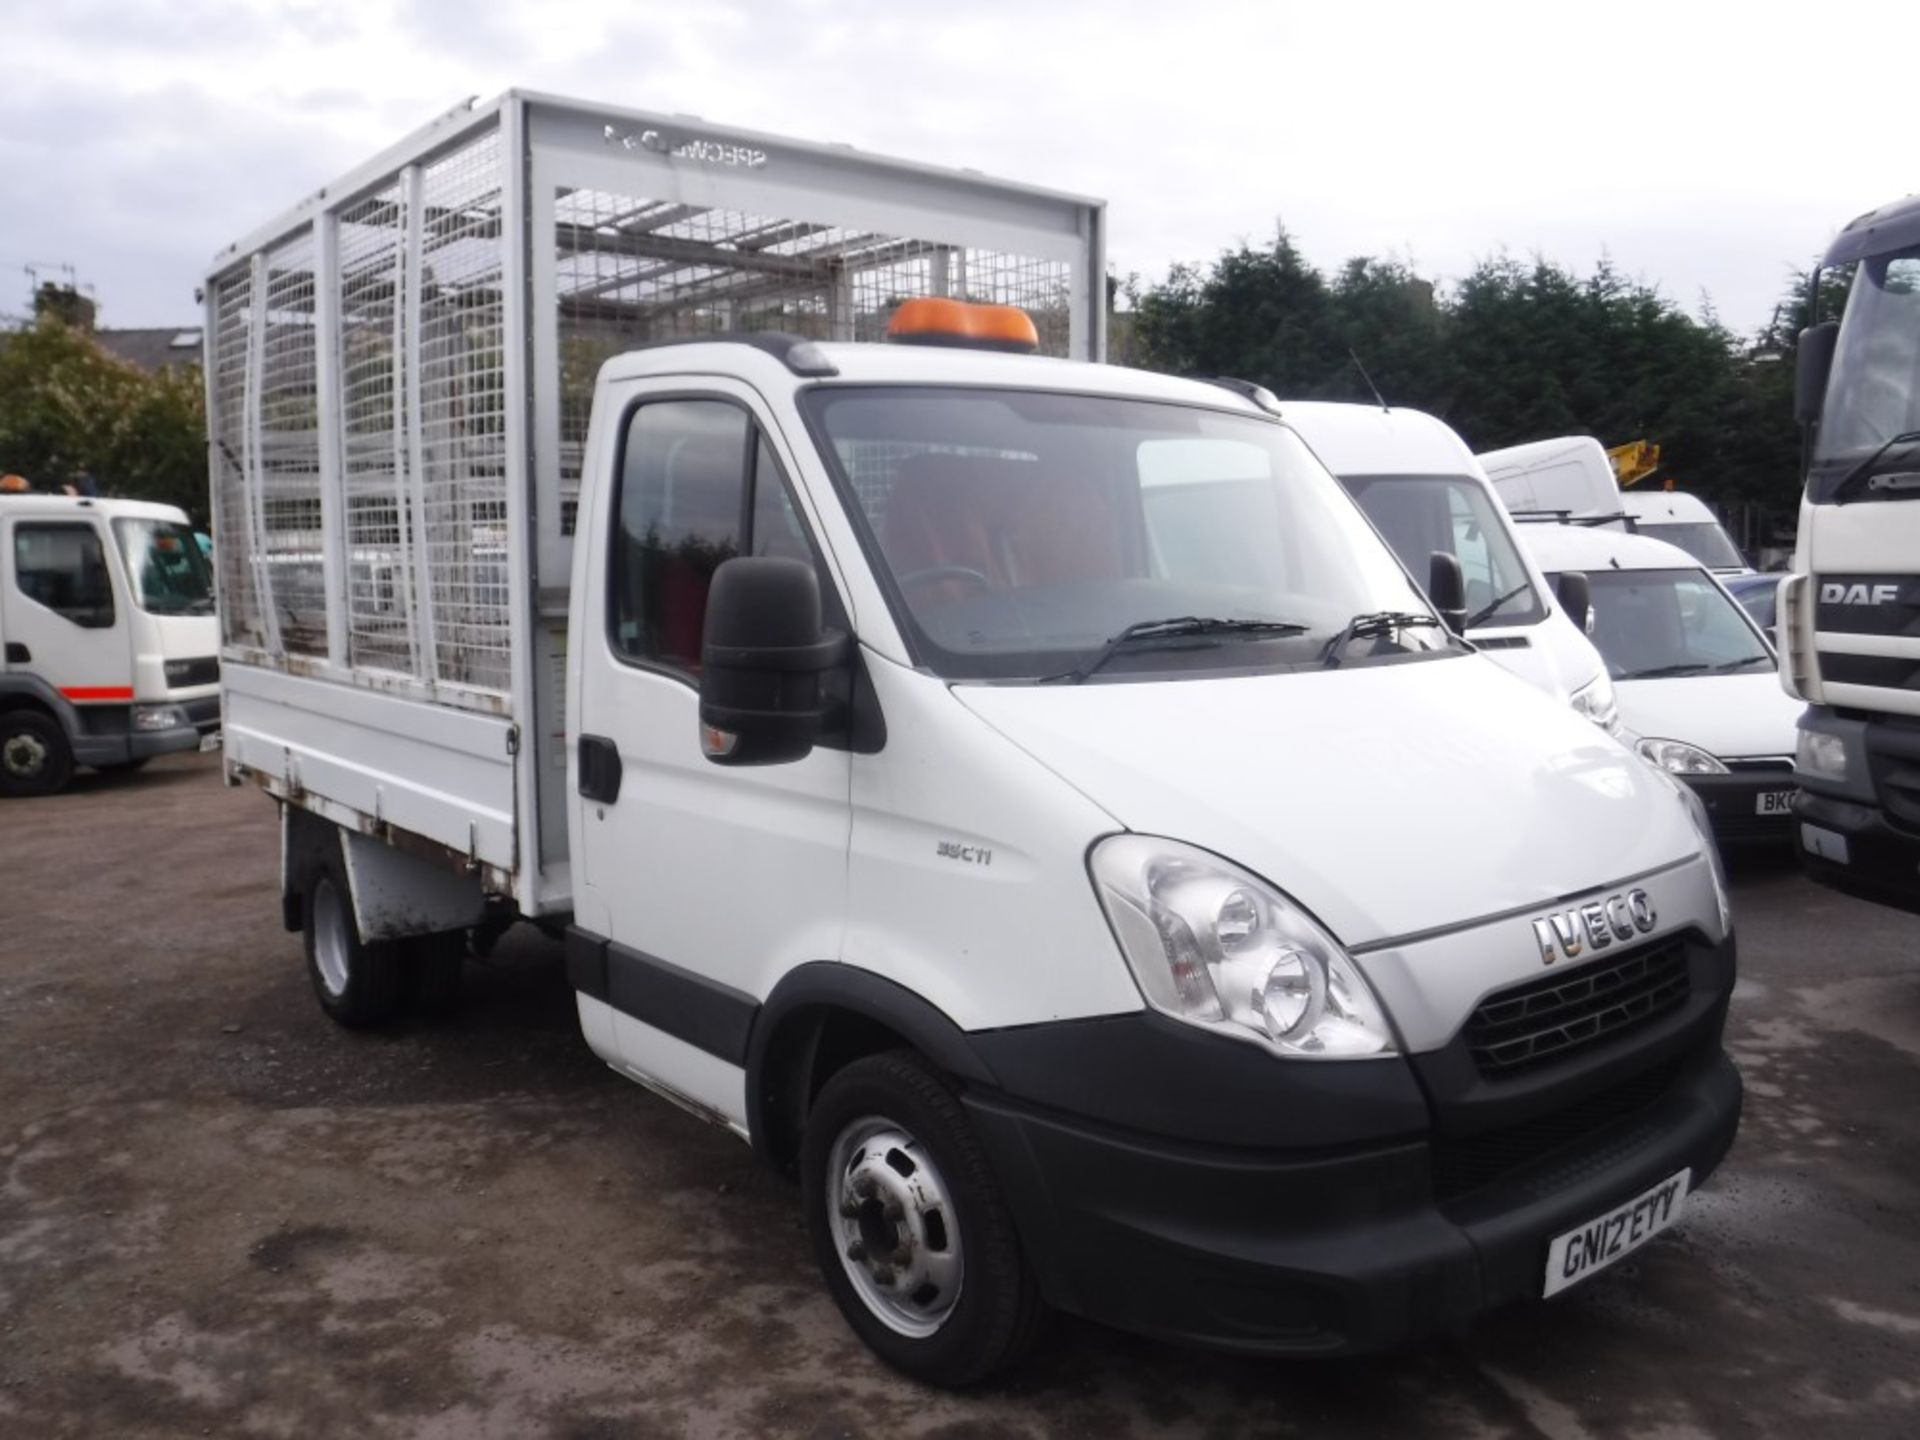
[909, 1226]
[34, 758]
[357, 983]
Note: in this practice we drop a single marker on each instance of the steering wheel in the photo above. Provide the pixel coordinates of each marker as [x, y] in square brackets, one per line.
[946, 572]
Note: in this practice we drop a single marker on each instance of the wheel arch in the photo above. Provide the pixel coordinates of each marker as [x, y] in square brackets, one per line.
[820, 1017]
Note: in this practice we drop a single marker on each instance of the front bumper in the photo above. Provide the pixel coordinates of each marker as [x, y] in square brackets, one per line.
[1310, 1248]
[1733, 804]
[203, 718]
[1881, 861]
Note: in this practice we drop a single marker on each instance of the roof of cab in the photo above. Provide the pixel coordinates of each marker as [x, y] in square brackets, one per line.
[893, 364]
[1371, 440]
[37, 506]
[1557, 548]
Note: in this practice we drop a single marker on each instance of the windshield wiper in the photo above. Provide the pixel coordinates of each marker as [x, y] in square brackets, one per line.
[1373, 625]
[1657, 672]
[1859, 472]
[1485, 611]
[1178, 627]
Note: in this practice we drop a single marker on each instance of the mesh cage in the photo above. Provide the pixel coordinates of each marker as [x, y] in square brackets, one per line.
[630, 270]
[379, 600]
[227, 431]
[463, 417]
[289, 569]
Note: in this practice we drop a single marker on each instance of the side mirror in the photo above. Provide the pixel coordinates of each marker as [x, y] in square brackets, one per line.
[1812, 363]
[1576, 597]
[1447, 589]
[764, 660]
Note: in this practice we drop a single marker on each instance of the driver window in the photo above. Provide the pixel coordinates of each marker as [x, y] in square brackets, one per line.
[698, 486]
[64, 567]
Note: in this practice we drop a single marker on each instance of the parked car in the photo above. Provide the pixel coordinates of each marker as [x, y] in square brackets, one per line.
[1685, 520]
[1424, 491]
[111, 648]
[1697, 681]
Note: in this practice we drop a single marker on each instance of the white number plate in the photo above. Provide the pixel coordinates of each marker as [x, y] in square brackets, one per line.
[209, 742]
[1827, 844]
[1773, 802]
[1597, 1244]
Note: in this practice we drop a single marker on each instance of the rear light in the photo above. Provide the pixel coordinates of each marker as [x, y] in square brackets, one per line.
[930, 320]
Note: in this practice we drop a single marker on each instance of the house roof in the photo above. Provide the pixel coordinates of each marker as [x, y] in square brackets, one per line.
[153, 349]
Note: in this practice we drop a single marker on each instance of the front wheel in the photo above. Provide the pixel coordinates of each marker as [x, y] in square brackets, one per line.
[909, 1227]
[34, 758]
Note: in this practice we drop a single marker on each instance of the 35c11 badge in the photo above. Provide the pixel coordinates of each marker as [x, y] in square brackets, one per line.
[968, 854]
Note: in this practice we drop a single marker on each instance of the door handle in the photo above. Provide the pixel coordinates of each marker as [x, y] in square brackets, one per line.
[599, 769]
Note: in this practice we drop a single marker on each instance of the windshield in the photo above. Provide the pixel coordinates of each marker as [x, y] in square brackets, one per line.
[1419, 514]
[1873, 393]
[164, 562]
[1702, 539]
[1650, 623]
[1023, 531]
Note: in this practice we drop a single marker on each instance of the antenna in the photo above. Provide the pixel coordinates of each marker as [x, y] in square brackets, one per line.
[1354, 356]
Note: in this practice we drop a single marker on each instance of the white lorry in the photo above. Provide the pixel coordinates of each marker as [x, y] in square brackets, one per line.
[1020, 797]
[1425, 492]
[1849, 615]
[109, 651]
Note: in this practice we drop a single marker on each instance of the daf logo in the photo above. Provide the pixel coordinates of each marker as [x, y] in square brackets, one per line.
[1834, 592]
[1595, 926]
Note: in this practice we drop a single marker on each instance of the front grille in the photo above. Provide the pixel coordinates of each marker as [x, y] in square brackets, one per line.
[1549, 1019]
[1464, 1165]
[183, 674]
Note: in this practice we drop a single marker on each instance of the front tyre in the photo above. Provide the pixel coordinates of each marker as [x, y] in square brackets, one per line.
[358, 984]
[34, 757]
[909, 1226]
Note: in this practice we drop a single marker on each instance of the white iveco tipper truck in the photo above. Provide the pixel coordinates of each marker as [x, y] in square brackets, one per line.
[1024, 799]
[1849, 615]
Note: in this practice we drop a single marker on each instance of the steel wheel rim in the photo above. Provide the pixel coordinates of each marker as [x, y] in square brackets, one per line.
[25, 755]
[895, 1226]
[330, 938]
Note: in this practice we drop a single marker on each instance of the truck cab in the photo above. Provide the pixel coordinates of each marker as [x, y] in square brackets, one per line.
[1424, 492]
[1849, 614]
[111, 646]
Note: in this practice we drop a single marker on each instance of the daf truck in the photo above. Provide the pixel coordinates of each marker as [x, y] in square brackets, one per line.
[108, 645]
[1023, 799]
[1849, 614]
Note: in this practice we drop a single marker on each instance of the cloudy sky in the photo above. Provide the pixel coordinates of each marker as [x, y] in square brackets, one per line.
[139, 136]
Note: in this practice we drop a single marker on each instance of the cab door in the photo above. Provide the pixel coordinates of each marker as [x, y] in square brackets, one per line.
[711, 881]
[65, 623]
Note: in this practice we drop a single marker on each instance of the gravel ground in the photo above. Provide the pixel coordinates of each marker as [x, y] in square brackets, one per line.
[221, 1215]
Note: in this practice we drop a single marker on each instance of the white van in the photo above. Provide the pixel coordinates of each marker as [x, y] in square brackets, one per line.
[1696, 677]
[1425, 492]
[1022, 798]
[1685, 520]
[110, 643]
[1565, 478]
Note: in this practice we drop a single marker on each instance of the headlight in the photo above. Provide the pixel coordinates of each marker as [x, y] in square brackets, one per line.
[1213, 946]
[1703, 822]
[158, 717]
[1595, 701]
[1821, 755]
[1677, 757]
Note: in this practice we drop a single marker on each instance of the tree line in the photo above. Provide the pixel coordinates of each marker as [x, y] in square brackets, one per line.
[1515, 351]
